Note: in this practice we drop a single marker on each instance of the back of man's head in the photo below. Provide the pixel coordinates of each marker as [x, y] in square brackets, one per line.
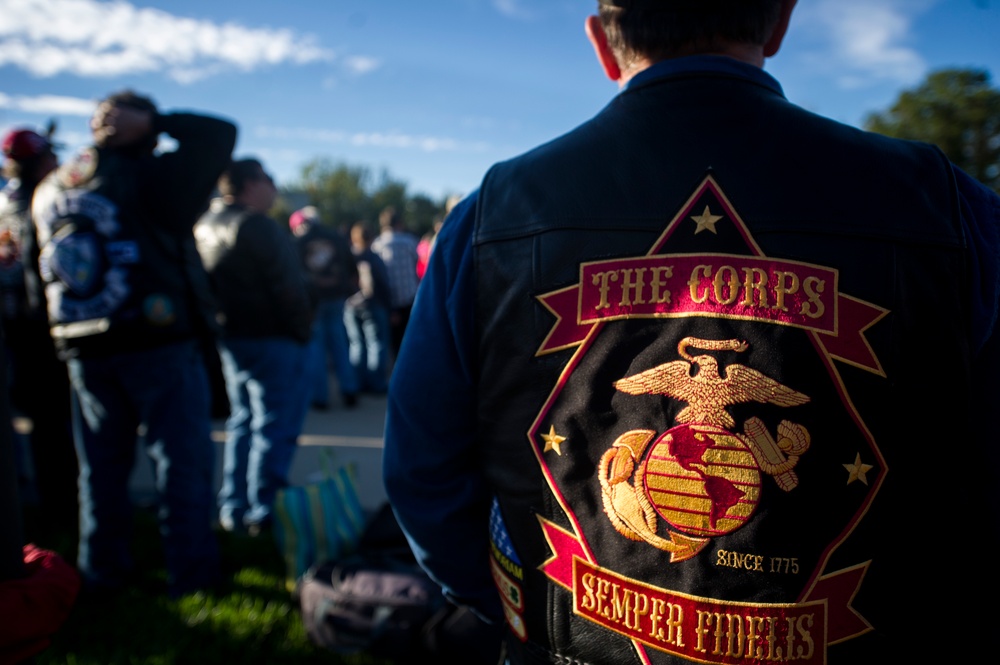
[660, 29]
[235, 177]
[131, 99]
[390, 219]
[147, 142]
[361, 234]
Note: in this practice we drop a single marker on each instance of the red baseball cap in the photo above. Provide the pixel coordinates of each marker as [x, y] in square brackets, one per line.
[23, 144]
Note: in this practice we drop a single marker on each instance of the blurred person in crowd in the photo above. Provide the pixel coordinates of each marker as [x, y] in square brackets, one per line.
[265, 316]
[367, 315]
[39, 385]
[397, 248]
[425, 245]
[676, 381]
[129, 308]
[332, 276]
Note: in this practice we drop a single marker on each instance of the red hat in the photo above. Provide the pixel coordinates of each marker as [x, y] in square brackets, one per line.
[23, 144]
[309, 214]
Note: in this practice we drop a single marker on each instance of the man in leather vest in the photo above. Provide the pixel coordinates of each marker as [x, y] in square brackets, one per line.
[129, 309]
[695, 382]
[265, 315]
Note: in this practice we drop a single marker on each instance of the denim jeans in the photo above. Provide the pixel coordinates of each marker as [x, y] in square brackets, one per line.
[368, 332]
[265, 380]
[163, 392]
[329, 346]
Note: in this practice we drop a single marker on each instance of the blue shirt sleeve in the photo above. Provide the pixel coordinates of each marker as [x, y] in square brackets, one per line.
[430, 464]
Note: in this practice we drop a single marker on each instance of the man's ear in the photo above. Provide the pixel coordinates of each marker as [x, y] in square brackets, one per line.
[772, 45]
[607, 58]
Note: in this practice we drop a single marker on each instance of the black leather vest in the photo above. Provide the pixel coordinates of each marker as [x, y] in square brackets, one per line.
[115, 278]
[724, 388]
[255, 274]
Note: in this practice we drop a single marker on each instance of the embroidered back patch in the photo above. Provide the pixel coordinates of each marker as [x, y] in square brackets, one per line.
[84, 260]
[703, 447]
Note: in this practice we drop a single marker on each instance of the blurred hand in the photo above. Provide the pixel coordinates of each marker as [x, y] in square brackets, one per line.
[116, 126]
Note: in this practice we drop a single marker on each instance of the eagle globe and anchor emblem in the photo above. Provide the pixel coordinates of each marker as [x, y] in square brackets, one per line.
[700, 476]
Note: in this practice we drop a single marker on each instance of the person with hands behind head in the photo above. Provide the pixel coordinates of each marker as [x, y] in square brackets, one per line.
[656, 399]
[129, 309]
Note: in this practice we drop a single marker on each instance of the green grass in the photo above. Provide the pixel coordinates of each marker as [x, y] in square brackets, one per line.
[250, 619]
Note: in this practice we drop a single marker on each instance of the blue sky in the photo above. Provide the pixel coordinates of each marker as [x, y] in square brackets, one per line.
[431, 92]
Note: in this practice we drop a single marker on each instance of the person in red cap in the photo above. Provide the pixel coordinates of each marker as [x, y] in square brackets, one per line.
[39, 384]
[709, 378]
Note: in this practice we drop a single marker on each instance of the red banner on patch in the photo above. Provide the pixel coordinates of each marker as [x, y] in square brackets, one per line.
[706, 629]
[750, 288]
[701, 629]
[565, 546]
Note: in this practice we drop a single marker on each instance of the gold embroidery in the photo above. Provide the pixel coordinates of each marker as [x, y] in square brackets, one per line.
[552, 440]
[706, 220]
[707, 393]
[700, 629]
[701, 477]
[627, 506]
[858, 470]
[751, 562]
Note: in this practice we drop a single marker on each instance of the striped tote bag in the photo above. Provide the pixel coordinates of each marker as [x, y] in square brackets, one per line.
[318, 522]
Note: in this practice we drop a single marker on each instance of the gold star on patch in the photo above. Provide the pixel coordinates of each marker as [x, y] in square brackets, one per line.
[858, 470]
[706, 220]
[552, 440]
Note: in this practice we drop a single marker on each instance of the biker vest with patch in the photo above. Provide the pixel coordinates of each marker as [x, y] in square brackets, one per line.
[724, 388]
[114, 282]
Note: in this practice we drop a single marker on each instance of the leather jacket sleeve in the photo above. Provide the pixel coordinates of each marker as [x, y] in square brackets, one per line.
[182, 180]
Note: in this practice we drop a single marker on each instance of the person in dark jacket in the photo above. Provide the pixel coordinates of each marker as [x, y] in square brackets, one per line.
[39, 384]
[684, 384]
[265, 316]
[367, 315]
[332, 275]
[129, 308]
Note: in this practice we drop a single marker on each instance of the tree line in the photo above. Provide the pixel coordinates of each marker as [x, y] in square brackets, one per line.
[345, 194]
[958, 111]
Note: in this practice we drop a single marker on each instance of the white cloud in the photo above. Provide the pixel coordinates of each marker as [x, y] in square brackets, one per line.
[48, 104]
[360, 64]
[389, 139]
[513, 9]
[871, 40]
[93, 38]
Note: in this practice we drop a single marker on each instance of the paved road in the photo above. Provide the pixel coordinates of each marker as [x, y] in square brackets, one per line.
[349, 435]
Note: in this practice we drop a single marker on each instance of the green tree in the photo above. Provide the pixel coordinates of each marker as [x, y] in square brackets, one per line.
[955, 109]
[339, 191]
[420, 213]
[345, 194]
